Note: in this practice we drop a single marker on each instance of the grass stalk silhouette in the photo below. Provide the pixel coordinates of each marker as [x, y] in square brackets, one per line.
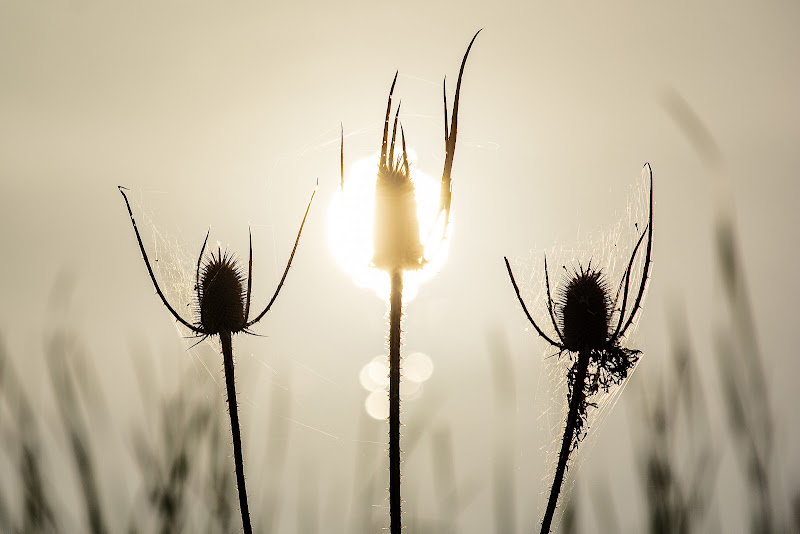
[63, 382]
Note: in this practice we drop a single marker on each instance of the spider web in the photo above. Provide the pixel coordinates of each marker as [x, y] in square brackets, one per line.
[174, 262]
[173, 255]
[609, 250]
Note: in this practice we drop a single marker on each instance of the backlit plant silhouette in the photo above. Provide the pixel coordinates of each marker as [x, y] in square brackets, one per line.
[586, 329]
[223, 309]
[398, 248]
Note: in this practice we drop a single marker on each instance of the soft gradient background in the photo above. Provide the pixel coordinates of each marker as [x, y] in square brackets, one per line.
[224, 116]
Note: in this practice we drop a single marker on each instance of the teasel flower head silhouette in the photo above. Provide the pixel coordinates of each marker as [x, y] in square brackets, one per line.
[398, 248]
[583, 321]
[223, 309]
[396, 236]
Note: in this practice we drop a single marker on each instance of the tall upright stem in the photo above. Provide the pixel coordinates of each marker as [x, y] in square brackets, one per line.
[230, 383]
[395, 314]
[569, 434]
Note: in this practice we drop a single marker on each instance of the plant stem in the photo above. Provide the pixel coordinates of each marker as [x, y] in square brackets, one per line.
[230, 383]
[395, 314]
[575, 403]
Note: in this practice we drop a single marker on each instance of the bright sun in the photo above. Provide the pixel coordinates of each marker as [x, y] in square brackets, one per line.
[350, 224]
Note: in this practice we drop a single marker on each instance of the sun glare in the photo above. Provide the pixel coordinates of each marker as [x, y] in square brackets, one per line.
[350, 228]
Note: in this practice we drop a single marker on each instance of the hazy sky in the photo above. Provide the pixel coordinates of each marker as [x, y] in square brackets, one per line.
[224, 117]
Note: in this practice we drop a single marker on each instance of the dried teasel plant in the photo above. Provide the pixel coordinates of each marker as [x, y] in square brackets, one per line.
[398, 249]
[590, 326]
[223, 309]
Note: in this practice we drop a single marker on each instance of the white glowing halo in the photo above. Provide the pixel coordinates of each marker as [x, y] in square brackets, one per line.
[350, 227]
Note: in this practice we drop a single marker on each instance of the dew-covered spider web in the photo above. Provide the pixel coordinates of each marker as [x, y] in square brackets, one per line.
[609, 250]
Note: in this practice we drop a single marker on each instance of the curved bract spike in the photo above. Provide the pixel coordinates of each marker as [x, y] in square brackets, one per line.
[446, 117]
[625, 285]
[200, 338]
[249, 277]
[180, 319]
[550, 302]
[386, 122]
[450, 139]
[199, 261]
[405, 154]
[288, 265]
[647, 258]
[394, 136]
[525, 309]
[341, 158]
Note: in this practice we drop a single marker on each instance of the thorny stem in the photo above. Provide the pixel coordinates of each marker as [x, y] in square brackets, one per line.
[230, 383]
[395, 314]
[575, 402]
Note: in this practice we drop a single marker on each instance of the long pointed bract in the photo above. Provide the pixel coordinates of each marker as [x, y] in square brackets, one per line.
[341, 158]
[249, 277]
[525, 308]
[550, 302]
[390, 161]
[180, 319]
[647, 261]
[450, 140]
[626, 283]
[288, 265]
[386, 123]
[199, 261]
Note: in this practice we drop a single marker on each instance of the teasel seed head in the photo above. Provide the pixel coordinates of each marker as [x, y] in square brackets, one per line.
[221, 295]
[396, 228]
[585, 310]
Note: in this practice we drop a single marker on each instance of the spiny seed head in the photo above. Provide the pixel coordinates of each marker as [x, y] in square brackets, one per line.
[585, 310]
[396, 227]
[221, 295]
